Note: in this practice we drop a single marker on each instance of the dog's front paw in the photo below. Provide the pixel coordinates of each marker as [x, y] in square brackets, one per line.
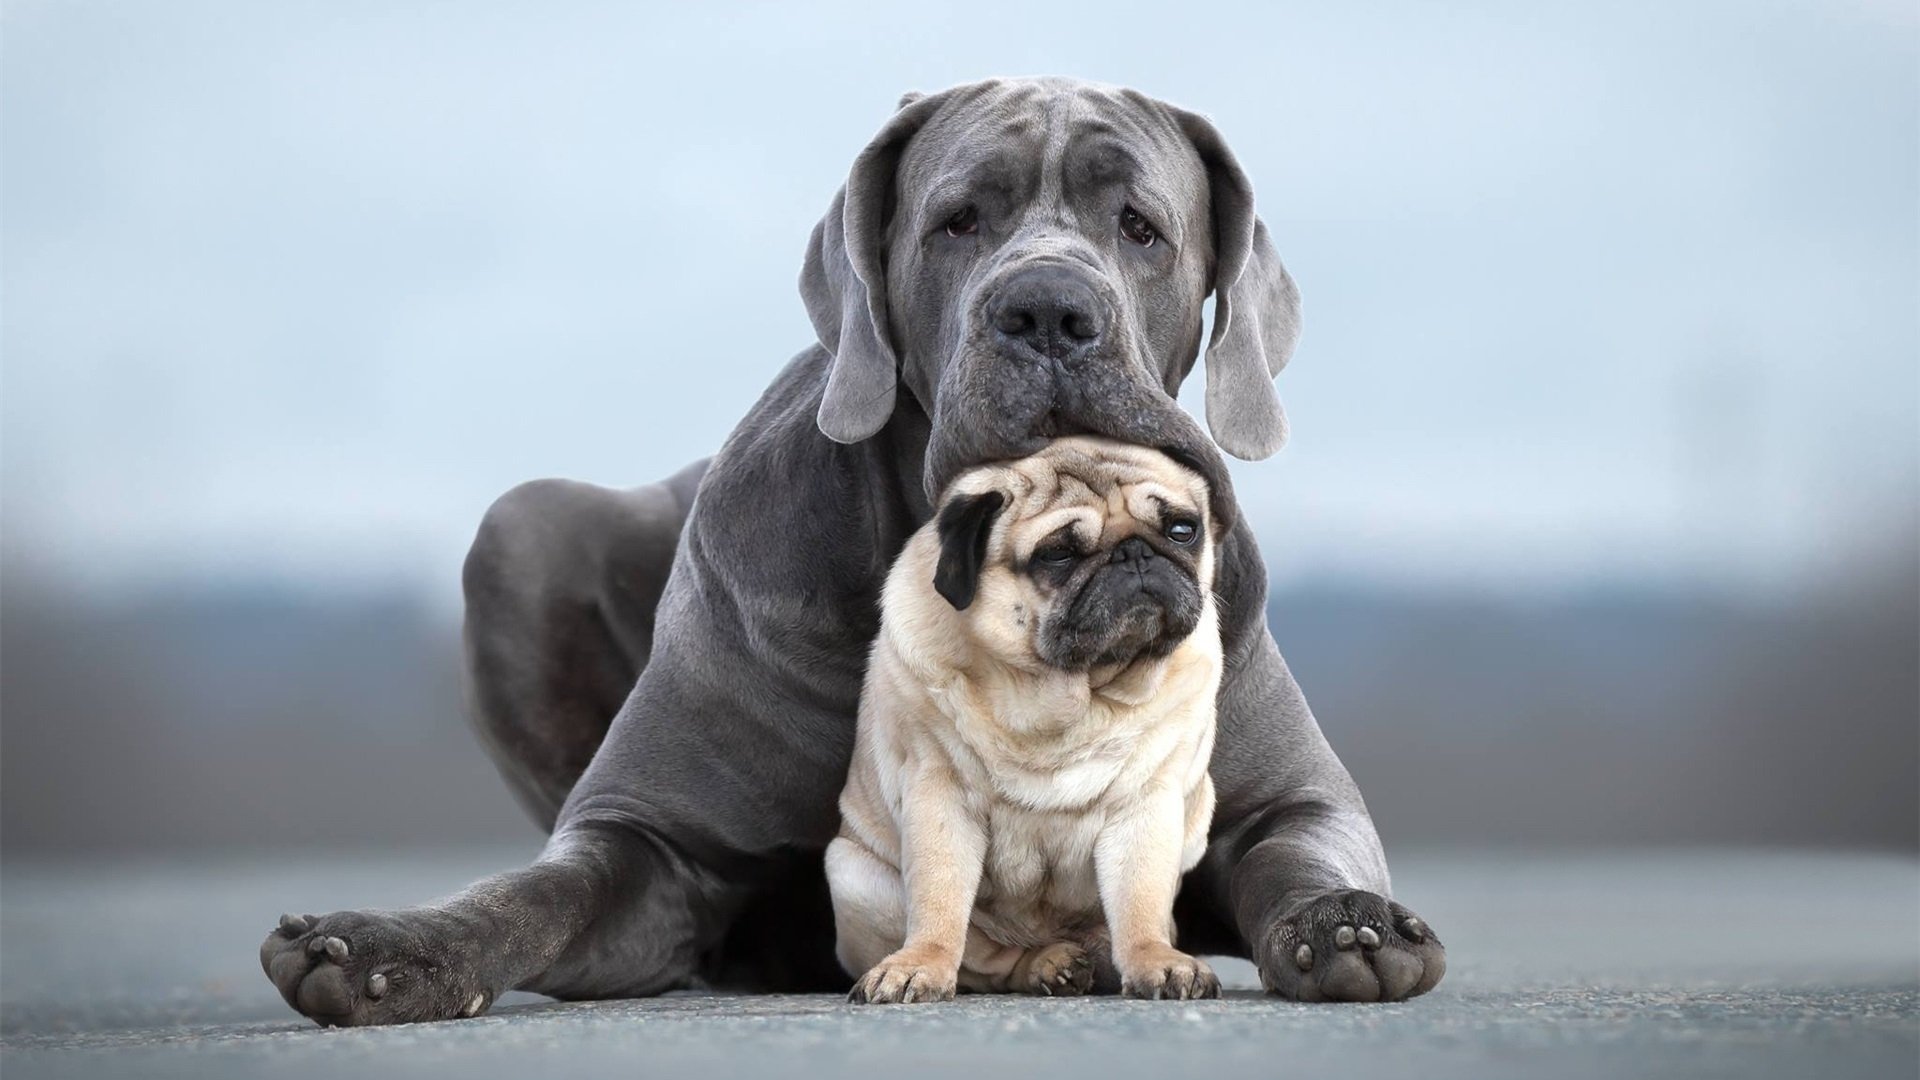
[908, 976]
[353, 968]
[1350, 945]
[1160, 972]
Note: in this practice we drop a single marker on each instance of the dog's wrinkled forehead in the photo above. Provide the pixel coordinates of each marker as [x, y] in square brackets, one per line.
[1038, 144]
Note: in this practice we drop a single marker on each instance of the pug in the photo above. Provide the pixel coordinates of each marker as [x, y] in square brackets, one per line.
[1029, 776]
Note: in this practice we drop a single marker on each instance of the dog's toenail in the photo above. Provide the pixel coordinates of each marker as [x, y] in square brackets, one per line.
[1369, 937]
[1303, 957]
[336, 950]
[473, 1007]
[293, 925]
[1414, 930]
[316, 946]
[1343, 938]
[376, 986]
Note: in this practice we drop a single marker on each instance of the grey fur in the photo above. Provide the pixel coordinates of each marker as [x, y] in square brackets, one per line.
[725, 635]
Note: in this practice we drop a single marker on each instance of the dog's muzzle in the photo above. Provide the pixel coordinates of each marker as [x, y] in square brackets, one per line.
[1047, 358]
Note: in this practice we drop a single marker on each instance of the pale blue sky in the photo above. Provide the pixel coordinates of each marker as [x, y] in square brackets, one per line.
[1607, 293]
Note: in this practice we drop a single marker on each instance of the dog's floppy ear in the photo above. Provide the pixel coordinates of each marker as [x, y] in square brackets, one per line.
[845, 288]
[1256, 308]
[965, 523]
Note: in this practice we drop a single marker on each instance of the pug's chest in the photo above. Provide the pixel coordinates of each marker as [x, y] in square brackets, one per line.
[1043, 820]
[1046, 787]
[1038, 877]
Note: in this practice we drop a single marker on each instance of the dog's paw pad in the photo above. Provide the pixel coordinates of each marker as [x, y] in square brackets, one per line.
[352, 968]
[335, 948]
[1350, 945]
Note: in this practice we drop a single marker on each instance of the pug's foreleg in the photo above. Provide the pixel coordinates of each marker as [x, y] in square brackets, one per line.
[1137, 860]
[942, 848]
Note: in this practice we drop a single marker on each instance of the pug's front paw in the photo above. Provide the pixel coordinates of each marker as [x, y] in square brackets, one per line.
[909, 976]
[1160, 972]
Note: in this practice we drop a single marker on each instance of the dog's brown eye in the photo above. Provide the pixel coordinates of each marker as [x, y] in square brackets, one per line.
[1183, 531]
[964, 223]
[1137, 228]
[1054, 554]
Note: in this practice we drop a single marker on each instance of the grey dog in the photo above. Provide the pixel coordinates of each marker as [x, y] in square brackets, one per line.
[669, 682]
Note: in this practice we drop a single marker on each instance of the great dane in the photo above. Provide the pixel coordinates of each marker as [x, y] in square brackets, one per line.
[667, 677]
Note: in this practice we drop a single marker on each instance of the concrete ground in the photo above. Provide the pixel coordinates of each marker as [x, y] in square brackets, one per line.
[1634, 964]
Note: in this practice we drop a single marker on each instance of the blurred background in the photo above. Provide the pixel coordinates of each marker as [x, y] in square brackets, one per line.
[1598, 525]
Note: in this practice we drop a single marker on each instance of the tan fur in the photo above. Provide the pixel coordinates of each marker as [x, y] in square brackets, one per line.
[1003, 819]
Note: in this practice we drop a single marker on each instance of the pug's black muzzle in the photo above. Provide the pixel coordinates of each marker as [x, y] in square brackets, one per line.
[1137, 604]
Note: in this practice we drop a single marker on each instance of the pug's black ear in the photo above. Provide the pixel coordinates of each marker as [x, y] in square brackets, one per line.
[964, 525]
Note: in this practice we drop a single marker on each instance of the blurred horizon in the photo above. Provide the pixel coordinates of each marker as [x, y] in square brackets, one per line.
[258, 716]
[1601, 514]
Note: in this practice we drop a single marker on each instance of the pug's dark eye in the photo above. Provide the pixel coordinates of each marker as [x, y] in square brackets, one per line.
[1183, 531]
[964, 223]
[1135, 227]
[1054, 554]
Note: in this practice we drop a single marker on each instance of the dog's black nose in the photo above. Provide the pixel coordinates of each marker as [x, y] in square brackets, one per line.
[1049, 310]
[1132, 550]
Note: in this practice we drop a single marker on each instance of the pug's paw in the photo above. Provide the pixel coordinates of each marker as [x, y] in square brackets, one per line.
[1161, 972]
[909, 976]
[1062, 969]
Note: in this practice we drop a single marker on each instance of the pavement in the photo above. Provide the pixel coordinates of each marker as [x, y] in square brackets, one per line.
[1617, 964]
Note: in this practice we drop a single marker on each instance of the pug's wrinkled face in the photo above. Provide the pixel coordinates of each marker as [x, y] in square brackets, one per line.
[1089, 554]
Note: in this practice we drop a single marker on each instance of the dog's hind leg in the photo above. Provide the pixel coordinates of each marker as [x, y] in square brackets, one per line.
[561, 585]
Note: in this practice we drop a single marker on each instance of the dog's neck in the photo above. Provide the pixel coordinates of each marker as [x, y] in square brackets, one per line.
[900, 453]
